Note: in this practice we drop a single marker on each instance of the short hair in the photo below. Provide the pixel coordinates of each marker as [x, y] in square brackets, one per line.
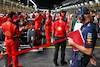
[37, 11]
[10, 14]
[49, 10]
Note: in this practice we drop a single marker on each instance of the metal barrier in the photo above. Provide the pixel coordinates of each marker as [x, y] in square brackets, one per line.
[12, 6]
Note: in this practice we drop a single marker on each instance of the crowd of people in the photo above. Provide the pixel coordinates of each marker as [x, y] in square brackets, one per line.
[59, 24]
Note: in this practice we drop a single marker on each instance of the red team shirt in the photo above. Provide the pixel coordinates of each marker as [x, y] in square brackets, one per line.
[44, 16]
[10, 29]
[1, 20]
[48, 20]
[38, 19]
[60, 27]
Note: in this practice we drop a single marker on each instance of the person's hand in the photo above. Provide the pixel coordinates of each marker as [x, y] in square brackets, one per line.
[70, 41]
[44, 26]
[67, 32]
[52, 40]
[92, 61]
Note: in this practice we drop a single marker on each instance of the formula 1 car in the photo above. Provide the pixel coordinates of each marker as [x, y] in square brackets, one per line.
[2, 42]
[28, 37]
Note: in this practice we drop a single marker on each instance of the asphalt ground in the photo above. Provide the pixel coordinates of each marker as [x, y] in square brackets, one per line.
[45, 58]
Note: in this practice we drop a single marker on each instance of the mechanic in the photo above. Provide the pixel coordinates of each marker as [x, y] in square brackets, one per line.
[5, 18]
[60, 28]
[11, 33]
[14, 16]
[38, 20]
[1, 20]
[20, 16]
[48, 25]
[33, 15]
[44, 17]
[82, 57]
[26, 16]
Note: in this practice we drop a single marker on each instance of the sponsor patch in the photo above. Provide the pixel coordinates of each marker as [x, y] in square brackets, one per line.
[59, 21]
[89, 36]
[89, 41]
[52, 23]
[7, 33]
[7, 23]
[59, 28]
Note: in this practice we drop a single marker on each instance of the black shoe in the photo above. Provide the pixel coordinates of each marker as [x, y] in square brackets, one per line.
[64, 63]
[56, 64]
[10, 65]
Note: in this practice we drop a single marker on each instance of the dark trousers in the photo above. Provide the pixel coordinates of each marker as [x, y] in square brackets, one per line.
[63, 46]
[76, 63]
[44, 20]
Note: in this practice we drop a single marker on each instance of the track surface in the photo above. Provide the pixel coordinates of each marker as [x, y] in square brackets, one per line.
[45, 58]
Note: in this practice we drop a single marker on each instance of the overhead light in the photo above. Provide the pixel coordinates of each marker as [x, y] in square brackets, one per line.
[79, 5]
[82, 4]
[22, 3]
[12, 2]
[66, 8]
[71, 6]
[86, 3]
[97, 1]
[75, 5]
[60, 6]
[90, 2]
[19, 2]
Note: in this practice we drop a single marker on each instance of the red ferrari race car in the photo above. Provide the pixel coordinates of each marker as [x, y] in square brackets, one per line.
[28, 37]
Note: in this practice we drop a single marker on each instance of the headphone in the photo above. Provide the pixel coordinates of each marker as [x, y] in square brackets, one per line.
[83, 17]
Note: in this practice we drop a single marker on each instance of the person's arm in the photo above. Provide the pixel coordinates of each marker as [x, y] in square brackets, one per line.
[18, 33]
[49, 21]
[37, 18]
[67, 32]
[53, 31]
[67, 28]
[53, 34]
[70, 26]
[87, 51]
[92, 61]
